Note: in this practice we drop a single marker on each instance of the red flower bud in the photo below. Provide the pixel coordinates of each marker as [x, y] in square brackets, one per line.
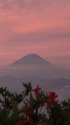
[37, 89]
[51, 98]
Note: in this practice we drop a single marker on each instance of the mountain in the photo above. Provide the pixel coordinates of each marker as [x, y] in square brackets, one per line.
[33, 68]
[32, 65]
[30, 59]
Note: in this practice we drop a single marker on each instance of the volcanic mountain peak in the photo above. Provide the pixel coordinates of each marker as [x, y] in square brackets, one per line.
[30, 59]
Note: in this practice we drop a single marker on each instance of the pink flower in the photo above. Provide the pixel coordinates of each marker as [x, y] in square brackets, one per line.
[37, 89]
[52, 97]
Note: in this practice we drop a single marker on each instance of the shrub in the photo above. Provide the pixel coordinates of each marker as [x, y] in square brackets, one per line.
[33, 107]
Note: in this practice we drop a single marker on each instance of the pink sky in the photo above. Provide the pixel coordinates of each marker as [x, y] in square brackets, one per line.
[34, 26]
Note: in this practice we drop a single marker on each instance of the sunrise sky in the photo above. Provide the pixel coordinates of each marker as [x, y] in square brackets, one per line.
[34, 26]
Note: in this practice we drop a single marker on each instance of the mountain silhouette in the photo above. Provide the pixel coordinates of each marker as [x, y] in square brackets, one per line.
[30, 59]
[35, 69]
[32, 65]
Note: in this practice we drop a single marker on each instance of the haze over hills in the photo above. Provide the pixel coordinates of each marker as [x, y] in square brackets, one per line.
[32, 65]
[61, 61]
[61, 86]
[35, 69]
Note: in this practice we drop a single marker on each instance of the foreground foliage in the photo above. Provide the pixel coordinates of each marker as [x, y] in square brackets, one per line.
[33, 107]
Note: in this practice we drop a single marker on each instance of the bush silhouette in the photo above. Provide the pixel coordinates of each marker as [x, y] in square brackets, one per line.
[33, 107]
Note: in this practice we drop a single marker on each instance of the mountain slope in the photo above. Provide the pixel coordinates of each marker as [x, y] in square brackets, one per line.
[33, 65]
[30, 59]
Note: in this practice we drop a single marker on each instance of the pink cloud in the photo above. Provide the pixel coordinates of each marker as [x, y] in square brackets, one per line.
[39, 26]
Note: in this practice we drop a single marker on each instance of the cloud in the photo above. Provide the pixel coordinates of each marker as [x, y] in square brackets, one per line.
[38, 37]
[34, 25]
[39, 6]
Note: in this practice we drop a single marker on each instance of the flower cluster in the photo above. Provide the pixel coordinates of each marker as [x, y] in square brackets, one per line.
[37, 89]
[29, 111]
[51, 99]
[33, 107]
